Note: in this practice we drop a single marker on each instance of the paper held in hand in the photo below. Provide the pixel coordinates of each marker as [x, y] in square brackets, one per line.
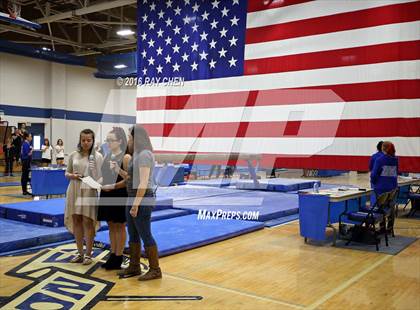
[91, 183]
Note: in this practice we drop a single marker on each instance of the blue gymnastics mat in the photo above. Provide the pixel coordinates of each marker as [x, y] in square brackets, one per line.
[282, 220]
[50, 212]
[185, 192]
[6, 184]
[277, 184]
[214, 182]
[187, 232]
[17, 235]
[270, 205]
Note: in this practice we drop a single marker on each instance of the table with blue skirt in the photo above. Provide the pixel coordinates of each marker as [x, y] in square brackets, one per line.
[46, 182]
[318, 211]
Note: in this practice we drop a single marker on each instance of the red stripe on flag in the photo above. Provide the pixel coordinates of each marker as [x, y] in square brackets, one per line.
[399, 89]
[397, 51]
[391, 127]
[254, 6]
[390, 14]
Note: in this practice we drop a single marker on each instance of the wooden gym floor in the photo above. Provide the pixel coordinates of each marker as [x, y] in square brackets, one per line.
[268, 269]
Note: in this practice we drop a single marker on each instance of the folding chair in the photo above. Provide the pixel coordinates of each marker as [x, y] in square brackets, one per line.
[365, 221]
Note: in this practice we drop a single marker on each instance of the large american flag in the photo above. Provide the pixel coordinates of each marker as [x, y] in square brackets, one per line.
[307, 84]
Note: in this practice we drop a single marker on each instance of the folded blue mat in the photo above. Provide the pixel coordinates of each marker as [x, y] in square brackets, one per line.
[277, 184]
[187, 232]
[270, 205]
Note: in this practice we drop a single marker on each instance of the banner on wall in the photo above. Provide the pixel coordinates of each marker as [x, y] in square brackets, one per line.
[307, 84]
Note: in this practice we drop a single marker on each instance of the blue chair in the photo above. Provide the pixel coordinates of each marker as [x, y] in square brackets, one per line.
[369, 224]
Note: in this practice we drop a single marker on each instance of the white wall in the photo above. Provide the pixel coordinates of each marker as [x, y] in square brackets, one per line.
[28, 82]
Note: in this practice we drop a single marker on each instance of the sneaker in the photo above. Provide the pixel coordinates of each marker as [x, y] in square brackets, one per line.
[77, 259]
[87, 260]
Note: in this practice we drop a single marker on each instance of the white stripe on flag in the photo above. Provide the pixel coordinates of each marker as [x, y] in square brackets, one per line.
[397, 70]
[311, 10]
[335, 40]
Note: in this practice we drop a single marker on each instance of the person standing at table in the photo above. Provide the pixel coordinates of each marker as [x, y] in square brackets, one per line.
[46, 150]
[81, 201]
[385, 170]
[26, 158]
[376, 155]
[59, 152]
[140, 203]
[114, 196]
[9, 153]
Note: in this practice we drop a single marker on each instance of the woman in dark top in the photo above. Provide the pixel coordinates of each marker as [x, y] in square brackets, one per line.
[114, 196]
[9, 153]
[140, 203]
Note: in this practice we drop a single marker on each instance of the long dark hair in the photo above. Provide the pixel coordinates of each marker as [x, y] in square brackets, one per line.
[62, 143]
[120, 135]
[46, 140]
[141, 139]
[86, 132]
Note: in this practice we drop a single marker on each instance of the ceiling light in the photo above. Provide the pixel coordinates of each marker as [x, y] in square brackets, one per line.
[46, 48]
[125, 32]
[120, 66]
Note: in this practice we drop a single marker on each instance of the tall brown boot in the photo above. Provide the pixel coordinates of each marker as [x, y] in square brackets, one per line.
[154, 271]
[133, 268]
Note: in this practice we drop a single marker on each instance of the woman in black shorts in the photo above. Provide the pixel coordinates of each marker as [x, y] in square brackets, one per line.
[114, 195]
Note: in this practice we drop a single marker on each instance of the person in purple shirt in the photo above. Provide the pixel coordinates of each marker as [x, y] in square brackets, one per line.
[385, 170]
[376, 155]
[26, 157]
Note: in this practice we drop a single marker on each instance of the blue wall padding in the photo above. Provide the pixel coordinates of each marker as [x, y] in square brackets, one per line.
[270, 205]
[187, 232]
[277, 185]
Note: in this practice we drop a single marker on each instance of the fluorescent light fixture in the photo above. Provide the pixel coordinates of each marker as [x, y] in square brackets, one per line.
[46, 48]
[120, 66]
[125, 32]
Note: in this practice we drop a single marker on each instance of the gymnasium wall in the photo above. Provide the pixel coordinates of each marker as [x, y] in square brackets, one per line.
[65, 98]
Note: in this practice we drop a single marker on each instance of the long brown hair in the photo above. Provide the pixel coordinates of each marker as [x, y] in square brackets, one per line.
[388, 148]
[141, 139]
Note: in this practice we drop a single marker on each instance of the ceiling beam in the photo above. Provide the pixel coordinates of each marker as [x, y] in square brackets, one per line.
[40, 35]
[116, 43]
[98, 22]
[86, 10]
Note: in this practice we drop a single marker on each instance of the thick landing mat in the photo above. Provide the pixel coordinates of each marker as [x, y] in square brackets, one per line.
[17, 235]
[50, 212]
[269, 205]
[277, 184]
[214, 182]
[187, 232]
[185, 192]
